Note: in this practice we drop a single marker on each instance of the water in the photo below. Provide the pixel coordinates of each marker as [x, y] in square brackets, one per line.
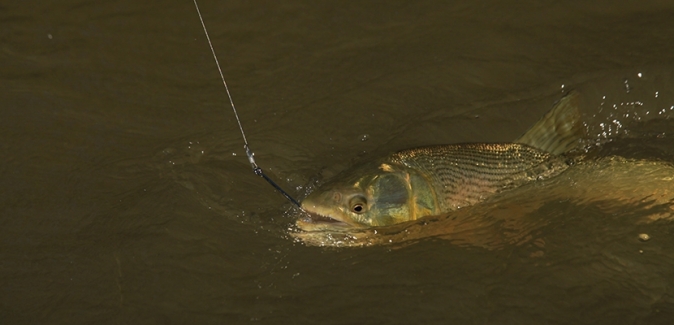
[127, 197]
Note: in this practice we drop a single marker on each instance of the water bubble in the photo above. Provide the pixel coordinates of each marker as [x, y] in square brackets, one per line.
[639, 74]
[364, 137]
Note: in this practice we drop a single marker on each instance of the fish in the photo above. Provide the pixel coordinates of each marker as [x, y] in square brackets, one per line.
[427, 181]
[486, 195]
[515, 217]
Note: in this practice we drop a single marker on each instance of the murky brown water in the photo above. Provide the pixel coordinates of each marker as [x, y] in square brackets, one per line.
[127, 198]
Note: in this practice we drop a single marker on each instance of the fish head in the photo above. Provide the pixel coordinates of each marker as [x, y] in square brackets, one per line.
[379, 194]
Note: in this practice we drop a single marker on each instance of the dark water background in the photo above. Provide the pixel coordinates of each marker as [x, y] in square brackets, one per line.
[127, 198]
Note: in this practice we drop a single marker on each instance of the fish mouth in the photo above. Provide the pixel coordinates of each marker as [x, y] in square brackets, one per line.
[315, 217]
[314, 221]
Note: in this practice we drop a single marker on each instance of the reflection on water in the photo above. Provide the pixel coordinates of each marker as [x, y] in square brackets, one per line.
[127, 197]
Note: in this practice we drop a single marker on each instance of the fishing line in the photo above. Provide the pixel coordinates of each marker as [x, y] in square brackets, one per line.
[257, 170]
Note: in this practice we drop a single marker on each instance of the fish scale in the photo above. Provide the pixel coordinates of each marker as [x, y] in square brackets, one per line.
[465, 174]
[427, 181]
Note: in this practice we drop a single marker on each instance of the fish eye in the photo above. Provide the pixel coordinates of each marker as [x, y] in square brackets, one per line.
[358, 205]
[358, 208]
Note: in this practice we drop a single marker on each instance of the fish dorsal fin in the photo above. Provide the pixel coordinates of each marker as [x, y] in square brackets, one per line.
[560, 130]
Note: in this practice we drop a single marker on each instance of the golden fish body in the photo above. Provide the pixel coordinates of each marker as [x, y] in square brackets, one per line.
[641, 190]
[415, 183]
[419, 182]
[462, 175]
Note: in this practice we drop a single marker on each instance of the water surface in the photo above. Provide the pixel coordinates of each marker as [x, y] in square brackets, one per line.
[127, 197]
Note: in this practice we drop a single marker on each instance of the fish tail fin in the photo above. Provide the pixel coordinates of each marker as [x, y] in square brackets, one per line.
[560, 130]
